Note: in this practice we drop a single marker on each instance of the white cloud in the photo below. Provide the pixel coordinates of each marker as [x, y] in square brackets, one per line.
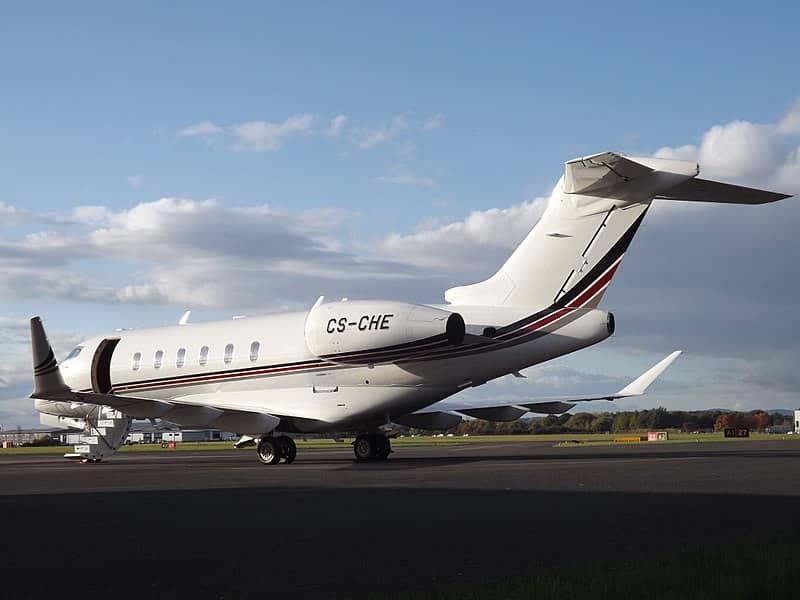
[201, 129]
[336, 126]
[751, 153]
[789, 124]
[10, 213]
[740, 149]
[370, 137]
[263, 136]
[267, 136]
[404, 177]
[433, 123]
[254, 136]
[476, 245]
[91, 215]
[197, 252]
[373, 137]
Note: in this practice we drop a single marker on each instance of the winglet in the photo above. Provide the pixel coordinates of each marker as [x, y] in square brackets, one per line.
[46, 374]
[639, 385]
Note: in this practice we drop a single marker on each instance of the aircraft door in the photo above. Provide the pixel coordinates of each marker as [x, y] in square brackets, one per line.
[101, 366]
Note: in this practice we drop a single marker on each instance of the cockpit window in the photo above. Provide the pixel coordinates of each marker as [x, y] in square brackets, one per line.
[74, 354]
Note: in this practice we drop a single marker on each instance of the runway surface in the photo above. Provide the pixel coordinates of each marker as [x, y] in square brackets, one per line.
[221, 525]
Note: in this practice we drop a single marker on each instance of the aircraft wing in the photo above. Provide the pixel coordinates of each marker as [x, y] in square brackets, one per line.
[443, 415]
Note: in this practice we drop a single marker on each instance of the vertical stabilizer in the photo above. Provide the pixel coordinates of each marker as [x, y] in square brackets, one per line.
[570, 256]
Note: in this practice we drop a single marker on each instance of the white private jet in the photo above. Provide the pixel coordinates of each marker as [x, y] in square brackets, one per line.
[369, 366]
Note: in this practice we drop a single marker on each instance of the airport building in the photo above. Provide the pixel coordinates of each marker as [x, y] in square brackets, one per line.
[141, 433]
[19, 436]
[797, 421]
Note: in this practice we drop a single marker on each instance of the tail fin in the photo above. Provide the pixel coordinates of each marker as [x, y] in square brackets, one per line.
[571, 254]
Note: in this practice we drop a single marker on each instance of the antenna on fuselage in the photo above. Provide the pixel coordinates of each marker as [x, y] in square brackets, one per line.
[185, 318]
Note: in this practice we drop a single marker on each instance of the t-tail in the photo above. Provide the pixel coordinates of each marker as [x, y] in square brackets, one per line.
[572, 253]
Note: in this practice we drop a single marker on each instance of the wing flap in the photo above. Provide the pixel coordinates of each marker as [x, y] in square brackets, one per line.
[495, 413]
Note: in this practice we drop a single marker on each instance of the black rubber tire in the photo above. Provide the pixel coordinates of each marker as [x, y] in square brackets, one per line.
[288, 448]
[269, 451]
[384, 447]
[364, 448]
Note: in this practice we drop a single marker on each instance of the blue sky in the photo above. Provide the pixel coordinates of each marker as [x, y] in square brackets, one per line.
[366, 135]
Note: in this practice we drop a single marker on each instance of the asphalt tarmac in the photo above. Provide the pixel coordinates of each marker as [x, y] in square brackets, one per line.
[221, 525]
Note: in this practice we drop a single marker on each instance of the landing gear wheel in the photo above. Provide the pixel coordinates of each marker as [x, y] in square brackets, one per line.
[269, 451]
[288, 448]
[384, 448]
[364, 447]
[90, 461]
[371, 447]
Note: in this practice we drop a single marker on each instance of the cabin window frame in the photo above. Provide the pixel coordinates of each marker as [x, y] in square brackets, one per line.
[227, 356]
[180, 357]
[202, 356]
[136, 361]
[158, 359]
[255, 350]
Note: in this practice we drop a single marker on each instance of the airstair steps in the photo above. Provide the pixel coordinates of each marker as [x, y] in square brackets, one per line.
[105, 431]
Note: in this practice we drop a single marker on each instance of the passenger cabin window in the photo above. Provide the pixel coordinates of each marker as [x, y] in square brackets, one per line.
[180, 360]
[255, 349]
[136, 361]
[203, 356]
[74, 354]
[228, 354]
[158, 359]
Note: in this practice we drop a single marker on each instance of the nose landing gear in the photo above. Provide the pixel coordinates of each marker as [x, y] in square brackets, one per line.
[372, 447]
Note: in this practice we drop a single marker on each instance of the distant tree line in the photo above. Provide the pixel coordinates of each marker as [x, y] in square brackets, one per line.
[620, 422]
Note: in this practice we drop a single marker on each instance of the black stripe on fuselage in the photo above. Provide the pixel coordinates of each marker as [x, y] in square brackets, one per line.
[231, 372]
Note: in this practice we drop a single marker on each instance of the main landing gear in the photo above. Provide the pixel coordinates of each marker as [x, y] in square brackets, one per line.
[372, 446]
[272, 450]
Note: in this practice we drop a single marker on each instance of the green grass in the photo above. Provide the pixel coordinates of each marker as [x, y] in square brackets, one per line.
[716, 570]
[565, 440]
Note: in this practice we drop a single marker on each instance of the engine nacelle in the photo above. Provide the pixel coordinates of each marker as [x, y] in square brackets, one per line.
[369, 332]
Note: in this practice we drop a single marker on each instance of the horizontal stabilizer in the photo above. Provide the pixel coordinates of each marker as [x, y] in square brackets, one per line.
[703, 190]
